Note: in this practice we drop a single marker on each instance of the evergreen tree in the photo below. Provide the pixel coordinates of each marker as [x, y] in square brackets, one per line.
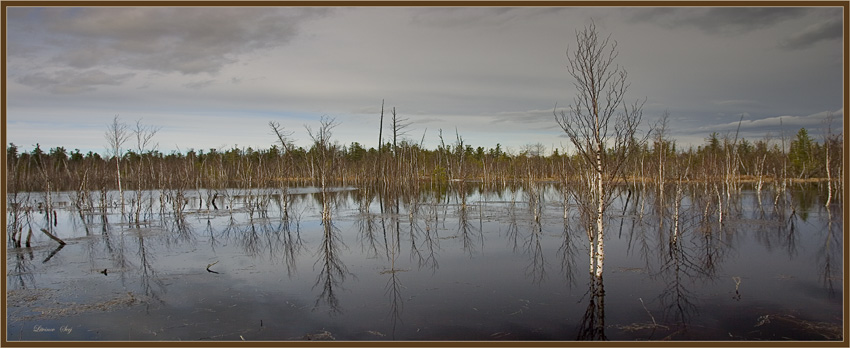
[800, 153]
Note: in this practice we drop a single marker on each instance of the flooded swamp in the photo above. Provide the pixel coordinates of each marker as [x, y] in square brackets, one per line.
[465, 261]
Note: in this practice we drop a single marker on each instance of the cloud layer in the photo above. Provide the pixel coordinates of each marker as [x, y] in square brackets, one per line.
[184, 40]
[215, 76]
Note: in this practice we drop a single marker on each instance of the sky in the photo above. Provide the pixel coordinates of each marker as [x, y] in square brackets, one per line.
[214, 77]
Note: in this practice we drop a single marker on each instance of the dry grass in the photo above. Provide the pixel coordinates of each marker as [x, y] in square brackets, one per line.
[641, 326]
[324, 335]
[829, 331]
[42, 302]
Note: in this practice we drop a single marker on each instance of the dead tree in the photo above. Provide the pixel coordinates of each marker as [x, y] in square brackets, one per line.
[286, 143]
[144, 134]
[116, 135]
[399, 129]
[828, 139]
[599, 119]
[381, 127]
[324, 159]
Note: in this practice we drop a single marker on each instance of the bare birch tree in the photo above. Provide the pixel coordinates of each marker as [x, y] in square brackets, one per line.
[116, 135]
[600, 124]
[144, 135]
[828, 139]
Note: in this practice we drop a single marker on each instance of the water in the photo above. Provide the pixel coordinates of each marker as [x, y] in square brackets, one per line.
[460, 263]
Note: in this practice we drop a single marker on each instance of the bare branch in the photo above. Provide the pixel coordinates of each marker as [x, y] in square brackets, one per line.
[282, 136]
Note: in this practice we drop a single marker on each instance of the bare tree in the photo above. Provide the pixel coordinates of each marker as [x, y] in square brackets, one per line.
[599, 118]
[282, 136]
[116, 135]
[381, 127]
[399, 129]
[144, 134]
[324, 160]
[828, 139]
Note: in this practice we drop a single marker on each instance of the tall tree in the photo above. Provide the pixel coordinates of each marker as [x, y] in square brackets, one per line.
[800, 153]
[144, 136]
[598, 118]
[116, 135]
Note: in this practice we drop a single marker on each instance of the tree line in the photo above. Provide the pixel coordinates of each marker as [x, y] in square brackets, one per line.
[721, 157]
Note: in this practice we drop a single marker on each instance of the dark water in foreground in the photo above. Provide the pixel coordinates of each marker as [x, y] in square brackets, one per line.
[446, 265]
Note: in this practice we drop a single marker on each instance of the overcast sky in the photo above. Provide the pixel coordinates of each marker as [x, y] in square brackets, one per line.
[215, 77]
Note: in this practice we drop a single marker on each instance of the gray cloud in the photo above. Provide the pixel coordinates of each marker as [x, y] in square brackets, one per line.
[464, 16]
[72, 81]
[735, 102]
[185, 40]
[724, 21]
[827, 30]
[525, 117]
[785, 123]
[198, 84]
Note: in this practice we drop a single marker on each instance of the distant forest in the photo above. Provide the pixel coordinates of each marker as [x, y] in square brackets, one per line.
[721, 157]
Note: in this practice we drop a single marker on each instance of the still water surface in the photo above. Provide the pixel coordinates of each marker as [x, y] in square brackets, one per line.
[462, 263]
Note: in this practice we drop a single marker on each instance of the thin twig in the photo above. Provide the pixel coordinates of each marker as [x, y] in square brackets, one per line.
[210, 265]
[647, 311]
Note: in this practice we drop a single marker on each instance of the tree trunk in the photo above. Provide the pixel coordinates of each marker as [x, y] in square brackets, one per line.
[600, 211]
[828, 177]
[120, 190]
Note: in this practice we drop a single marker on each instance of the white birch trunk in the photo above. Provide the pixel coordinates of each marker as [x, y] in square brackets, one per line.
[120, 190]
[828, 178]
[600, 210]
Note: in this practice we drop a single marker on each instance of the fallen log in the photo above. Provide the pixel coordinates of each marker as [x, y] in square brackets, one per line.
[52, 236]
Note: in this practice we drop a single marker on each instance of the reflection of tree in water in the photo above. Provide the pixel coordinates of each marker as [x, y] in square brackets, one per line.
[678, 301]
[115, 252]
[333, 270]
[687, 248]
[803, 198]
[531, 245]
[536, 268]
[274, 238]
[431, 234]
[639, 232]
[592, 325]
[710, 237]
[366, 223]
[393, 291]
[830, 250]
[513, 226]
[291, 243]
[22, 268]
[466, 231]
[567, 252]
[152, 285]
[422, 251]
[776, 227]
[680, 265]
[393, 286]
[178, 230]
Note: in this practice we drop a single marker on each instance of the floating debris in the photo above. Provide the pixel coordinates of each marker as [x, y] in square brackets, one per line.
[210, 265]
[322, 336]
